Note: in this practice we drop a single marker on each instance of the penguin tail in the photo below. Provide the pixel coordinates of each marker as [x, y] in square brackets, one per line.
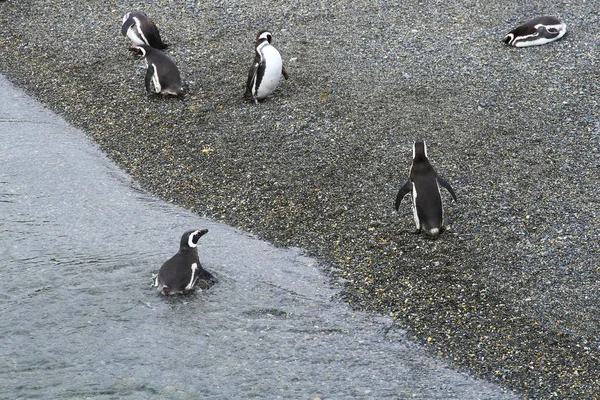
[164, 290]
[434, 232]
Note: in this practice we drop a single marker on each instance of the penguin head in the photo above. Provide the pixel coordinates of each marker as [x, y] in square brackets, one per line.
[189, 240]
[264, 35]
[128, 22]
[142, 49]
[419, 150]
[509, 38]
[522, 33]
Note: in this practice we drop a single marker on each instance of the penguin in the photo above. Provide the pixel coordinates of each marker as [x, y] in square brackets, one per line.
[162, 75]
[266, 70]
[424, 187]
[182, 272]
[141, 30]
[540, 30]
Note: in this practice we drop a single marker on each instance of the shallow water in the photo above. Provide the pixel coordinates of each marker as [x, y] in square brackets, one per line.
[78, 244]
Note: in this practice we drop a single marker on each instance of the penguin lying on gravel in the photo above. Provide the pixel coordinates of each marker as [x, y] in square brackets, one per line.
[141, 30]
[540, 30]
[266, 70]
[182, 272]
[424, 187]
[162, 75]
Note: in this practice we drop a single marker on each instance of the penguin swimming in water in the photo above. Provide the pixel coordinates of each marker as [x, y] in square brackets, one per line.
[424, 187]
[540, 30]
[266, 70]
[162, 75]
[183, 271]
[141, 30]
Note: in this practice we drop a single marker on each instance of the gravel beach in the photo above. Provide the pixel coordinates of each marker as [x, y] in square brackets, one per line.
[510, 291]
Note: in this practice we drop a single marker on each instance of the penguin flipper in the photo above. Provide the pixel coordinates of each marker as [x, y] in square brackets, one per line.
[250, 81]
[284, 73]
[404, 190]
[446, 185]
[148, 79]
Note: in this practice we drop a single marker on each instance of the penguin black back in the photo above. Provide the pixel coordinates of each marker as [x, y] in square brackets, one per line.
[424, 187]
[141, 30]
[183, 271]
[535, 32]
[162, 75]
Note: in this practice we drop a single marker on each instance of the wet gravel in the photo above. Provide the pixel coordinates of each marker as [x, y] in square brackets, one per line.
[509, 292]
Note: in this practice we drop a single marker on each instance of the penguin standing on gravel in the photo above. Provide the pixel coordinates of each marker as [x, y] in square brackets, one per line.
[540, 30]
[183, 271]
[424, 187]
[141, 30]
[266, 70]
[162, 75]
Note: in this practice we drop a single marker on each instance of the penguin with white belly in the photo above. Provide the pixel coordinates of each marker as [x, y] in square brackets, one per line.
[266, 70]
[162, 75]
[182, 272]
[424, 187]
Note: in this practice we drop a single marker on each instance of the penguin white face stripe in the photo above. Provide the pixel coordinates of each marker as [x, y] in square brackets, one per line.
[265, 35]
[193, 278]
[191, 239]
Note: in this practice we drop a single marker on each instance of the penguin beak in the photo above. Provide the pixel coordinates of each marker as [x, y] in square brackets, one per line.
[137, 50]
[197, 235]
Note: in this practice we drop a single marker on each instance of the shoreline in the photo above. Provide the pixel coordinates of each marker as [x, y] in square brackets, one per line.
[508, 292]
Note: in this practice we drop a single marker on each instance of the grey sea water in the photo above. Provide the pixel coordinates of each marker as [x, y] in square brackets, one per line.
[78, 245]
